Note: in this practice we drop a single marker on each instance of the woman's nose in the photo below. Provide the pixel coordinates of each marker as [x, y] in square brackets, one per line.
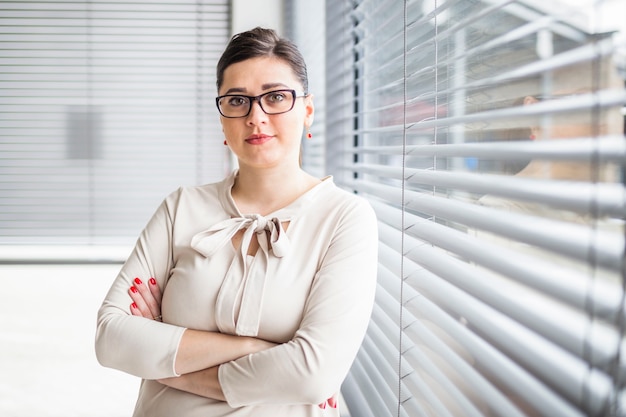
[256, 115]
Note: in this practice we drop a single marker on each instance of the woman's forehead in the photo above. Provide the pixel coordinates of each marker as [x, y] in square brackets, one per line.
[259, 73]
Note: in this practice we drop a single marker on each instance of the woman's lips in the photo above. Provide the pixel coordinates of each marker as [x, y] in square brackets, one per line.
[258, 139]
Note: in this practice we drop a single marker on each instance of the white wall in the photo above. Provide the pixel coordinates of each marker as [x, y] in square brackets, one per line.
[247, 14]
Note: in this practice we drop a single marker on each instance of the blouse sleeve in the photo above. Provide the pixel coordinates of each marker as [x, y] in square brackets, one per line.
[311, 367]
[136, 345]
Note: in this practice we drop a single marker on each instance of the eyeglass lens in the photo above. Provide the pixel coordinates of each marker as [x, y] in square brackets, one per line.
[272, 102]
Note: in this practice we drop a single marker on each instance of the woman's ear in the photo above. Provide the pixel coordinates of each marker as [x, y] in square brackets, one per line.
[309, 109]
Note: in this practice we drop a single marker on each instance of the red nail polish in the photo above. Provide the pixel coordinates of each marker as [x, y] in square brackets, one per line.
[323, 406]
[138, 281]
[133, 305]
[152, 281]
[133, 289]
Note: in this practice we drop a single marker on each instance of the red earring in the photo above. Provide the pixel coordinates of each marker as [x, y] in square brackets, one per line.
[308, 133]
[225, 144]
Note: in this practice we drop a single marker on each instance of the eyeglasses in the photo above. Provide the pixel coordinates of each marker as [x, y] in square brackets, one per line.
[272, 102]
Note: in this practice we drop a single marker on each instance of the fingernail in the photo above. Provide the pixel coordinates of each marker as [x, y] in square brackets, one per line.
[334, 405]
[133, 305]
[323, 406]
[138, 281]
[133, 289]
[152, 281]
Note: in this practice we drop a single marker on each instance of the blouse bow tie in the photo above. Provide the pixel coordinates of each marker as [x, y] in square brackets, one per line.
[213, 239]
[239, 301]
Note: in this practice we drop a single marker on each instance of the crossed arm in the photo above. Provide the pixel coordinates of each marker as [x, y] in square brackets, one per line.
[199, 353]
[319, 353]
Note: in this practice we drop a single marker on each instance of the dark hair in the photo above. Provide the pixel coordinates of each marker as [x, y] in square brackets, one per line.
[260, 42]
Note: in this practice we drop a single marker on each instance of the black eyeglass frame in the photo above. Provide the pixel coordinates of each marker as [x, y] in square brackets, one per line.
[251, 99]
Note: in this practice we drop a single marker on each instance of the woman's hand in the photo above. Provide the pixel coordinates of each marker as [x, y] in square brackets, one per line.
[331, 402]
[146, 299]
[147, 303]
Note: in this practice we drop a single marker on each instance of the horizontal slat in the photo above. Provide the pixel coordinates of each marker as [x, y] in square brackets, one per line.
[572, 330]
[375, 399]
[217, 28]
[461, 372]
[609, 198]
[524, 115]
[502, 370]
[573, 287]
[387, 377]
[603, 149]
[547, 335]
[142, 65]
[572, 378]
[585, 102]
[356, 399]
[577, 241]
[430, 344]
[124, 5]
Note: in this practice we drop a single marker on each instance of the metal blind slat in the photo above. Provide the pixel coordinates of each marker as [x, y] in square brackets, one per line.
[105, 109]
[435, 132]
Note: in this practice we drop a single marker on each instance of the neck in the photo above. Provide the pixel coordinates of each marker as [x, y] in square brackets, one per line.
[264, 190]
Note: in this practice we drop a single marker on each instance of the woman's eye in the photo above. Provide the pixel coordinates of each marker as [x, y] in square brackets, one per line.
[276, 97]
[236, 101]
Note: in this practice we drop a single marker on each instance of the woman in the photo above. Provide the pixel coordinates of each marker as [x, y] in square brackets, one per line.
[267, 277]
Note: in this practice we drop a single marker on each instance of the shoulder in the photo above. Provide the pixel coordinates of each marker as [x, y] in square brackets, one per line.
[193, 200]
[345, 205]
[198, 193]
[189, 196]
[340, 195]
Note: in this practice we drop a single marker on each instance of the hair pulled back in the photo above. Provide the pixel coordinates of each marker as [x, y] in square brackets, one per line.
[260, 42]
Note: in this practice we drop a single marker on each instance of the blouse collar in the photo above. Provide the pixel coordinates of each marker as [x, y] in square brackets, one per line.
[238, 306]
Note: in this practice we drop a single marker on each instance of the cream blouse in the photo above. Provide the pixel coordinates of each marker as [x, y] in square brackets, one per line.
[309, 288]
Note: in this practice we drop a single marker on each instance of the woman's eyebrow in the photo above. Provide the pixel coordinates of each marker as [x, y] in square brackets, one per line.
[235, 90]
[264, 87]
[273, 85]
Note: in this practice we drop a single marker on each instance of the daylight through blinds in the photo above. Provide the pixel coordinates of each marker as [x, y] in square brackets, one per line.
[489, 138]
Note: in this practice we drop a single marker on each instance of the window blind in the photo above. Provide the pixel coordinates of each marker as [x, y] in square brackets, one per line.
[306, 27]
[105, 108]
[489, 138]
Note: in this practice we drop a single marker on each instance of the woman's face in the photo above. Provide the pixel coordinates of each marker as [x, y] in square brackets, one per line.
[261, 140]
